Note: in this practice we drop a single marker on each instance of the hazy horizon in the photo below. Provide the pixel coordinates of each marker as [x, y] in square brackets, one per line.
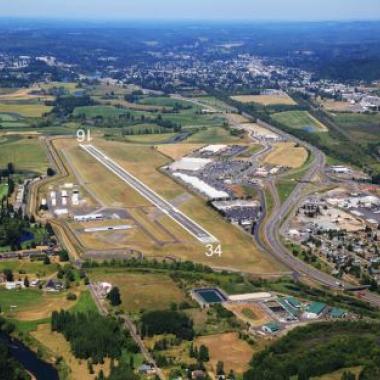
[196, 10]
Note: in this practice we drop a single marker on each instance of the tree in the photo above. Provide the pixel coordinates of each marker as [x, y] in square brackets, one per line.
[26, 282]
[50, 172]
[220, 368]
[63, 256]
[46, 260]
[203, 354]
[10, 168]
[114, 296]
[8, 274]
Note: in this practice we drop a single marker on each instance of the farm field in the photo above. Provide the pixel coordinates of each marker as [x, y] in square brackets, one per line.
[177, 151]
[157, 234]
[287, 154]
[59, 347]
[234, 352]
[299, 120]
[27, 154]
[265, 100]
[141, 291]
[25, 110]
[213, 102]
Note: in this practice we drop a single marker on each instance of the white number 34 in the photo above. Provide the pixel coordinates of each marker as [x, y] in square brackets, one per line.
[213, 251]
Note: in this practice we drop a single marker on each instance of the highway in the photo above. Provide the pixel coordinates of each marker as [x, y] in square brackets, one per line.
[184, 221]
[271, 227]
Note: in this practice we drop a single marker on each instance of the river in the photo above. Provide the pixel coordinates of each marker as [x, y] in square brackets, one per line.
[29, 360]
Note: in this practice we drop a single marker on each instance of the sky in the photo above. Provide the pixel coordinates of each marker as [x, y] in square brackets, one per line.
[274, 10]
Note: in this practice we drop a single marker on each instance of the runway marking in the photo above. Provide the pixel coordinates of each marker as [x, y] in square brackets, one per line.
[178, 216]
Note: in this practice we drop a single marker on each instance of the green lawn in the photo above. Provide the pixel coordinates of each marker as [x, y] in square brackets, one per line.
[299, 120]
[28, 267]
[3, 190]
[25, 154]
[97, 111]
[19, 298]
[85, 304]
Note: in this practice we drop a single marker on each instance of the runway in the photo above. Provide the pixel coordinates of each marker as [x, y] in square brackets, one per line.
[178, 216]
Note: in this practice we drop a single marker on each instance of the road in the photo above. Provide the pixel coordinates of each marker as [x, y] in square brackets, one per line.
[271, 228]
[184, 221]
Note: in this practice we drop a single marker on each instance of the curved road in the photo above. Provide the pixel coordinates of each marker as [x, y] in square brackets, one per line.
[271, 228]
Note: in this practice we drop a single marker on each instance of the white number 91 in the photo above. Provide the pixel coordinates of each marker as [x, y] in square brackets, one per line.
[83, 135]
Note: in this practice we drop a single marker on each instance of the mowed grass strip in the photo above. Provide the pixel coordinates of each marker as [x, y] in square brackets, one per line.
[141, 291]
[300, 120]
[25, 154]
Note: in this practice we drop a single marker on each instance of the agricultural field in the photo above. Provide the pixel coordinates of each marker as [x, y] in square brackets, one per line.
[299, 120]
[265, 100]
[27, 154]
[157, 235]
[141, 291]
[287, 154]
[234, 352]
[163, 101]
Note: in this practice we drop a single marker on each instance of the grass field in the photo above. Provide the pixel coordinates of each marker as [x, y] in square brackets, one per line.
[299, 120]
[26, 110]
[163, 101]
[26, 155]
[32, 304]
[214, 136]
[362, 127]
[265, 100]
[337, 375]
[287, 154]
[228, 348]
[3, 190]
[143, 161]
[177, 151]
[60, 347]
[30, 268]
[141, 291]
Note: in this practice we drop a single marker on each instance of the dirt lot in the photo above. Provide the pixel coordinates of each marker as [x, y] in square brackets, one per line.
[235, 353]
[177, 151]
[265, 100]
[287, 154]
[251, 313]
[58, 345]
